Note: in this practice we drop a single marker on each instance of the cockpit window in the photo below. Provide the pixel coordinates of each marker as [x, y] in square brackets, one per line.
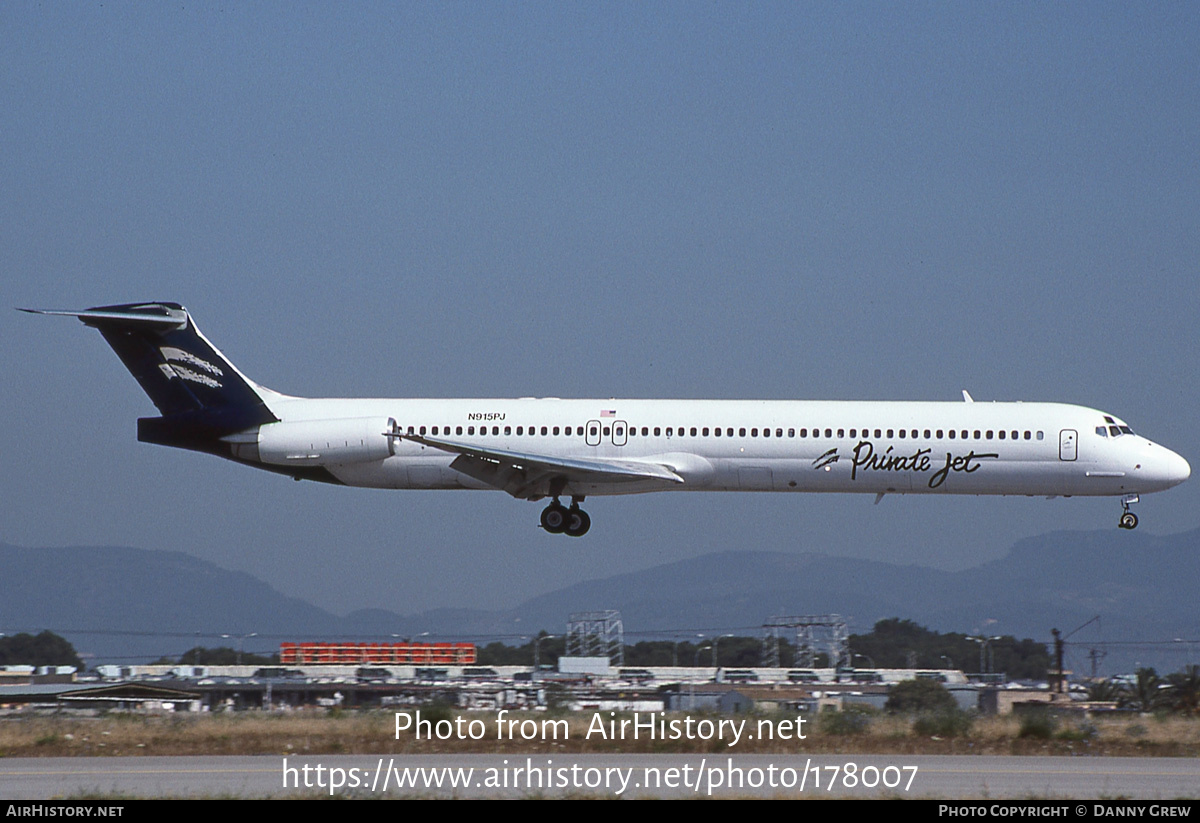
[1113, 429]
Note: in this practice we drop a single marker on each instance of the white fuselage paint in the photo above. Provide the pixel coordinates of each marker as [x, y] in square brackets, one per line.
[814, 446]
[533, 448]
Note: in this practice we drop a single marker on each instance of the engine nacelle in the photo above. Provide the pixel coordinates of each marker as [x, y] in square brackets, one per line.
[326, 442]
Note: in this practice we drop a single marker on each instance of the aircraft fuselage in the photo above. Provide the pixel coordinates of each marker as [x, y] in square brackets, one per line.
[744, 445]
[532, 448]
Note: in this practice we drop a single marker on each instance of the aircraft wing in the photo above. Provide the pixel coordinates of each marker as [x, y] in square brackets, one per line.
[525, 475]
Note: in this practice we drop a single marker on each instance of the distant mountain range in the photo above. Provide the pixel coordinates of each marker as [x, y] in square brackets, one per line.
[139, 604]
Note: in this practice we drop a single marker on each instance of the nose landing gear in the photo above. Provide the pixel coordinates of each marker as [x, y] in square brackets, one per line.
[558, 519]
[1129, 520]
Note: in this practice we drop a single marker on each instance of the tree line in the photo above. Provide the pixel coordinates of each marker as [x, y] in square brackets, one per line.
[1146, 691]
[891, 644]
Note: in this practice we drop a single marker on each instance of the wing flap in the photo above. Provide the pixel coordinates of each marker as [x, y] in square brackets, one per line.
[522, 474]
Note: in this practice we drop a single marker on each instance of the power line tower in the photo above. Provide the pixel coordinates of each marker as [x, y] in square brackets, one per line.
[813, 633]
[597, 634]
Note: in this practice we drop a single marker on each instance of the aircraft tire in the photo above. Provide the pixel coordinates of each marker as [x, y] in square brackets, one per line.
[578, 523]
[1129, 520]
[555, 519]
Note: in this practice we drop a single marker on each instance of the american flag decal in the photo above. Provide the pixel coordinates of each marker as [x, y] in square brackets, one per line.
[608, 412]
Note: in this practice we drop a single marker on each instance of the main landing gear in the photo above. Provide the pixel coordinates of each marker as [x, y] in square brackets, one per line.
[573, 521]
[1128, 519]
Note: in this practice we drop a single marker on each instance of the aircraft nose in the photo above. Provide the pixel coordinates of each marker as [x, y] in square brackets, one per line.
[1162, 468]
[1178, 469]
[1169, 469]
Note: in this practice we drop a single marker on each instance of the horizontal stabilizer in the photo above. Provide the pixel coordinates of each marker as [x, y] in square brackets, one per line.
[150, 316]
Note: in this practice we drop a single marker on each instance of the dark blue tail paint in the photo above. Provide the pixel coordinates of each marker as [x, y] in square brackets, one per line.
[202, 396]
[174, 364]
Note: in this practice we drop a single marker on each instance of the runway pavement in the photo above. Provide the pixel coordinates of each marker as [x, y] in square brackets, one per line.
[627, 776]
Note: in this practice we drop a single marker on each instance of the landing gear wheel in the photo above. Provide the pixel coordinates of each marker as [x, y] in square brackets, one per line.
[1128, 519]
[554, 518]
[578, 522]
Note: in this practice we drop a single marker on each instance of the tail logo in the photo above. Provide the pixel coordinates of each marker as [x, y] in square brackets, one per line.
[171, 370]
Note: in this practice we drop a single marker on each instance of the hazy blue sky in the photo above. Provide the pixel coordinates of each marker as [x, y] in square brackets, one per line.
[769, 200]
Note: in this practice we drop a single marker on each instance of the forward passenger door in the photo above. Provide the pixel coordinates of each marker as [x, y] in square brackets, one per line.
[1068, 441]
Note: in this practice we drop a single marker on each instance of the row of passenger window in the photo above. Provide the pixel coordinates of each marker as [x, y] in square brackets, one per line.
[705, 431]
[495, 430]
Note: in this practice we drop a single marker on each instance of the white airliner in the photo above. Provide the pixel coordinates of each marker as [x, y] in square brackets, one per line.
[534, 448]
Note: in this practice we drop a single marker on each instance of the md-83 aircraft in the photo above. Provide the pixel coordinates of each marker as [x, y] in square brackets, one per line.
[537, 448]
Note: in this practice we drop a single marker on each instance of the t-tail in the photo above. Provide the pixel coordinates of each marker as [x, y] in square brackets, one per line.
[201, 395]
